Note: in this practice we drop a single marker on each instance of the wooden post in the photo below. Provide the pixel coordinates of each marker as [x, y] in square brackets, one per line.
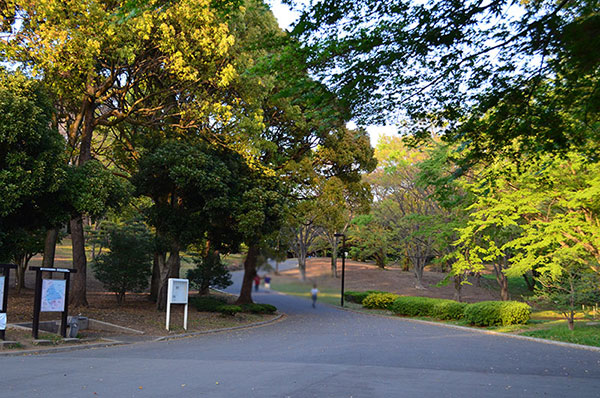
[37, 303]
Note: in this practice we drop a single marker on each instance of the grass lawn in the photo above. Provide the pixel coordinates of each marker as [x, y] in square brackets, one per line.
[582, 334]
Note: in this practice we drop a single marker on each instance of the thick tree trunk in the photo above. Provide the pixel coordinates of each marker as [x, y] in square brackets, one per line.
[50, 248]
[249, 274]
[503, 282]
[20, 274]
[77, 296]
[155, 281]
[418, 266]
[170, 269]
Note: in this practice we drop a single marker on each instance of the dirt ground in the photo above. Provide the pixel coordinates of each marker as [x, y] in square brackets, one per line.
[360, 277]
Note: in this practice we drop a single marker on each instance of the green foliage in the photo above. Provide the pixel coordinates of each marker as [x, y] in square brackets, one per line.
[207, 304]
[382, 301]
[209, 271]
[414, 306]
[127, 266]
[491, 313]
[256, 308]
[358, 297]
[448, 310]
[228, 309]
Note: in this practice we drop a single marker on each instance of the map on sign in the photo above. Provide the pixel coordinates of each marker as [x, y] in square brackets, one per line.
[3, 321]
[53, 295]
[1, 293]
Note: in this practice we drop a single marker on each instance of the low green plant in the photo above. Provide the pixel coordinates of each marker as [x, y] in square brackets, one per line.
[358, 297]
[256, 308]
[413, 306]
[228, 309]
[381, 301]
[207, 304]
[491, 313]
[448, 310]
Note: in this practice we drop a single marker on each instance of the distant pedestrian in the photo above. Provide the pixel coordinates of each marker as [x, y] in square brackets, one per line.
[256, 282]
[267, 279]
[313, 293]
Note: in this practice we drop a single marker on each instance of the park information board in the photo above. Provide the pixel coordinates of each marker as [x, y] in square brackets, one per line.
[3, 321]
[177, 293]
[53, 295]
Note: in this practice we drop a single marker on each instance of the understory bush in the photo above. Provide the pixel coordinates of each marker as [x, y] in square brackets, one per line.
[490, 313]
[229, 309]
[358, 297]
[381, 301]
[413, 306]
[448, 309]
[256, 308]
[207, 304]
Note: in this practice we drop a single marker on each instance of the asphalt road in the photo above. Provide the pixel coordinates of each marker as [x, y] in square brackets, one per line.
[322, 352]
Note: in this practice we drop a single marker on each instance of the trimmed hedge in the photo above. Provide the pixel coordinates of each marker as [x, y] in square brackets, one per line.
[490, 313]
[413, 306]
[256, 308]
[358, 297]
[207, 304]
[426, 306]
[448, 310]
[381, 301]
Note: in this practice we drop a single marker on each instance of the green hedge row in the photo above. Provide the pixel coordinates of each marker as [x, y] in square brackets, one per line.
[380, 301]
[358, 297]
[213, 304]
[426, 306]
[485, 313]
[490, 313]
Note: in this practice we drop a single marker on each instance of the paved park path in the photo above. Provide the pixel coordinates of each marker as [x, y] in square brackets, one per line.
[322, 352]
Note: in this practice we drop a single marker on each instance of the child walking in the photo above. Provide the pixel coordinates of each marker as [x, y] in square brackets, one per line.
[313, 293]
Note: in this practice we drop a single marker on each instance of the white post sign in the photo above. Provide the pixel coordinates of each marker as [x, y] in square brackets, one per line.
[53, 295]
[177, 293]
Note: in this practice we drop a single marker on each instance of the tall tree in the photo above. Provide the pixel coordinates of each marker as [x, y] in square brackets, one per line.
[100, 62]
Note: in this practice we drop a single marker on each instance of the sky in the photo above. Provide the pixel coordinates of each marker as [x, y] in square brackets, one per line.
[285, 16]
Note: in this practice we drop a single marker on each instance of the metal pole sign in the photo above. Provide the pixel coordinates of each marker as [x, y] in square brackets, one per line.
[51, 295]
[4, 296]
[177, 293]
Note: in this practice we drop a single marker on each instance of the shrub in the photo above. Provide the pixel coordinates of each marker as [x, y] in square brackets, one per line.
[381, 301]
[448, 309]
[358, 297]
[207, 304]
[209, 271]
[489, 313]
[227, 309]
[127, 266]
[256, 308]
[413, 306]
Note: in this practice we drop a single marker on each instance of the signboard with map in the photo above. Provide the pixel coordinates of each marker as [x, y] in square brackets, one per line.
[3, 321]
[53, 295]
[1, 293]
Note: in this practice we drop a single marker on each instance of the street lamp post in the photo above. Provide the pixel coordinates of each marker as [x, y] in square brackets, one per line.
[343, 264]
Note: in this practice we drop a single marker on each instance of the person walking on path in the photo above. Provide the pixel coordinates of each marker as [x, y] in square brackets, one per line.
[267, 279]
[256, 282]
[313, 293]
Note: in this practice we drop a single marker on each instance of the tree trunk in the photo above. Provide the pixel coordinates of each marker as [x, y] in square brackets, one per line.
[571, 320]
[457, 288]
[302, 264]
[20, 274]
[503, 282]
[155, 281]
[418, 266]
[77, 296]
[334, 260]
[249, 274]
[50, 248]
[170, 269]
